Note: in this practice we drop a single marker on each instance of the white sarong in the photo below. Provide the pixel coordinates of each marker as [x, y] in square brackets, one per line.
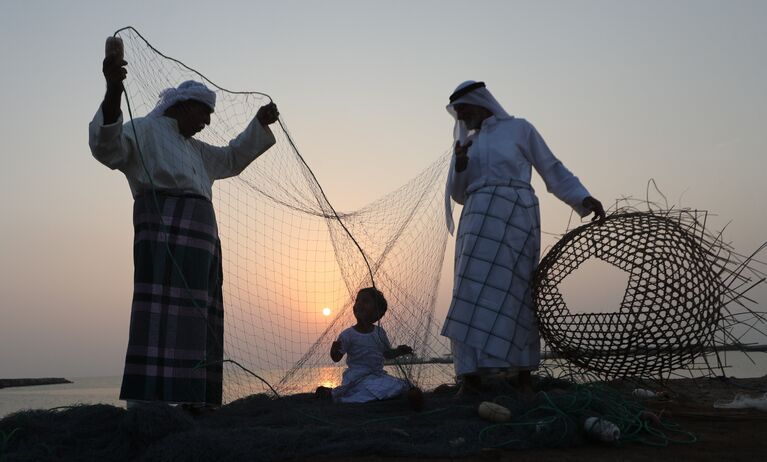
[491, 321]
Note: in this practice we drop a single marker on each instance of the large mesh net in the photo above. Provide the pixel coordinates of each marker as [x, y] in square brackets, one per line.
[293, 265]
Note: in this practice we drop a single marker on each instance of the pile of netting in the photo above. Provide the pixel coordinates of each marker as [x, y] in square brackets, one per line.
[301, 426]
[686, 291]
[288, 255]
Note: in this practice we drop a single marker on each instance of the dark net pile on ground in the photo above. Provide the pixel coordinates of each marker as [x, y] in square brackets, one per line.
[685, 286]
[261, 427]
[286, 255]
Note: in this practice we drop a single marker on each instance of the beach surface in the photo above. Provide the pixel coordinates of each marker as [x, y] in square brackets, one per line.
[299, 427]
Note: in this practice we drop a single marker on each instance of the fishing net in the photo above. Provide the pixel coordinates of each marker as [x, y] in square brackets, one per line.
[292, 264]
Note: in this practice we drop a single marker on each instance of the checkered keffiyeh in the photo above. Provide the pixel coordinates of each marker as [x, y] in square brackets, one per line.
[186, 91]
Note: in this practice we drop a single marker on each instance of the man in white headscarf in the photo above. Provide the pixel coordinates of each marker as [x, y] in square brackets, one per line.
[175, 346]
[491, 323]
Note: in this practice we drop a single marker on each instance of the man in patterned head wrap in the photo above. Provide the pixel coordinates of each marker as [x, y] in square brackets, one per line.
[175, 346]
[491, 323]
[190, 104]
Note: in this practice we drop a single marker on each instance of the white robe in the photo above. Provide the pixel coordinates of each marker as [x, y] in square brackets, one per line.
[174, 162]
[365, 378]
[491, 322]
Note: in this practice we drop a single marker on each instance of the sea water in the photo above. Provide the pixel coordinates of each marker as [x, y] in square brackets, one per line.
[85, 390]
[106, 390]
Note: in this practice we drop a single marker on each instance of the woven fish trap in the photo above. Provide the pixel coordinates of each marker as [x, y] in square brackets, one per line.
[671, 306]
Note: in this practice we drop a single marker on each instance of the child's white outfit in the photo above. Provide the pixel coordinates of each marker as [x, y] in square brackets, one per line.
[365, 378]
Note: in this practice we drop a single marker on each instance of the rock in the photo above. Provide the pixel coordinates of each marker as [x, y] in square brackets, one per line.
[6, 383]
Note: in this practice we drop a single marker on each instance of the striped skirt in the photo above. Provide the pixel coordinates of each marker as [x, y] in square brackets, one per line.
[491, 321]
[175, 345]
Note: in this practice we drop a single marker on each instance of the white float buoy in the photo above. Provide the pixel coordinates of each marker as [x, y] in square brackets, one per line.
[494, 412]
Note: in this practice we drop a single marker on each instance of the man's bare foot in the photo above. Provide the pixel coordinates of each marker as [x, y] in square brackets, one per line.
[471, 385]
[525, 385]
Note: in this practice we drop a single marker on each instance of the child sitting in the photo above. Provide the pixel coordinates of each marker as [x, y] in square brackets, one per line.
[366, 346]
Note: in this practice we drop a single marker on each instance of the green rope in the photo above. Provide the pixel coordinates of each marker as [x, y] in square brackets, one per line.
[5, 439]
[404, 416]
[586, 400]
[377, 420]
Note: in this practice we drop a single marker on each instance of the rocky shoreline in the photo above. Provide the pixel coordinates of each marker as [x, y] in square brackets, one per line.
[7, 383]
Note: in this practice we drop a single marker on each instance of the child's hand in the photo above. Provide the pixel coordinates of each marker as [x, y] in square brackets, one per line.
[335, 351]
[404, 350]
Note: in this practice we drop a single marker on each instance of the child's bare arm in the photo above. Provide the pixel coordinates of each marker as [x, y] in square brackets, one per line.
[401, 350]
[335, 351]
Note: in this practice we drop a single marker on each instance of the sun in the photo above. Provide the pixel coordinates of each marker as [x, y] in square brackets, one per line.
[326, 311]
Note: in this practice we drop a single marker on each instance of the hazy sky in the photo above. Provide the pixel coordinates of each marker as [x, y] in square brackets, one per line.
[622, 92]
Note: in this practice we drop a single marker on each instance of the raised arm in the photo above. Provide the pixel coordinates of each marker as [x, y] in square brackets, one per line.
[105, 135]
[227, 161]
[114, 71]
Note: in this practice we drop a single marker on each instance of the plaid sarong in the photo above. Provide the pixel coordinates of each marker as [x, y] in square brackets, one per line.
[175, 344]
[497, 249]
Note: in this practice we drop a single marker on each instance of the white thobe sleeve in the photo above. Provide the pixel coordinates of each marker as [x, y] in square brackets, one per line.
[227, 161]
[559, 180]
[109, 145]
[457, 182]
[344, 339]
[384, 339]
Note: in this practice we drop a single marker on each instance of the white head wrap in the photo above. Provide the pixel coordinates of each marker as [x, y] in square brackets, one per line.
[189, 90]
[469, 92]
[478, 96]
